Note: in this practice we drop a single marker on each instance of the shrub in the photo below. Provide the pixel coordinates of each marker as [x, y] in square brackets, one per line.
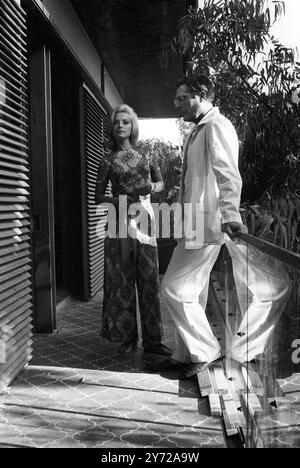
[169, 158]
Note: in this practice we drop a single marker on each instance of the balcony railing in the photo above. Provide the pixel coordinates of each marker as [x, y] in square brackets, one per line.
[257, 400]
[285, 256]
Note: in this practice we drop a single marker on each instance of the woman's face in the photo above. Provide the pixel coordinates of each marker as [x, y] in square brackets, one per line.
[122, 126]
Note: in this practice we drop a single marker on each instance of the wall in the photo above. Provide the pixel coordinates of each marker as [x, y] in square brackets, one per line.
[61, 14]
[111, 92]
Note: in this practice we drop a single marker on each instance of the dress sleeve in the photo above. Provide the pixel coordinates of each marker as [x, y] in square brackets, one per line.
[155, 172]
[104, 172]
[157, 181]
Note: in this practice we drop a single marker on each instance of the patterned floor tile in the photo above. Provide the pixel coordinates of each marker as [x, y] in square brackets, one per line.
[78, 392]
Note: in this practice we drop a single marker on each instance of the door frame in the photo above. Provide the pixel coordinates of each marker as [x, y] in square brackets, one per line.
[41, 151]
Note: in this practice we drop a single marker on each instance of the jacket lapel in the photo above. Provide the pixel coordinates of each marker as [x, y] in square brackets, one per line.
[209, 116]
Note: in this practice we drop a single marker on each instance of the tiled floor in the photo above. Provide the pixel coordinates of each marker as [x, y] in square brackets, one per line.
[78, 392]
[280, 425]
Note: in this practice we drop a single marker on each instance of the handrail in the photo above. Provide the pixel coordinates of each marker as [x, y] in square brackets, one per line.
[285, 256]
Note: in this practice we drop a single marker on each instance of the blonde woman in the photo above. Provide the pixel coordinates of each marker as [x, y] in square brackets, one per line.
[130, 263]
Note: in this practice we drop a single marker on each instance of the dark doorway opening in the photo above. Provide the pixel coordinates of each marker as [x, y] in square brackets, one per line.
[55, 169]
[67, 177]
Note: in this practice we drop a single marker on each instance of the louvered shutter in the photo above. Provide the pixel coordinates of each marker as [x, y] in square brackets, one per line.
[15, 244]
[94, 122]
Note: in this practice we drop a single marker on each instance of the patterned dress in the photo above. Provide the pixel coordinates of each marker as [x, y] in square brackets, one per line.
[128, 170]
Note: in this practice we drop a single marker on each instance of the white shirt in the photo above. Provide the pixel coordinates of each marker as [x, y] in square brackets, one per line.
[211, 182]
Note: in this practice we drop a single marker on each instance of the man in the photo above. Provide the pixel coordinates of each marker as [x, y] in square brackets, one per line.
[210, 197]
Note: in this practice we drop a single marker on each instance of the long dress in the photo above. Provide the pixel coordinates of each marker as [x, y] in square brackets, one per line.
[127, 170]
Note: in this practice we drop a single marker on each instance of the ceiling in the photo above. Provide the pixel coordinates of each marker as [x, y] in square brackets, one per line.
[129, 36]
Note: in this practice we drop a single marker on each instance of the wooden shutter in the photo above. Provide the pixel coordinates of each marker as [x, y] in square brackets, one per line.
[94, 122]
[15, 242]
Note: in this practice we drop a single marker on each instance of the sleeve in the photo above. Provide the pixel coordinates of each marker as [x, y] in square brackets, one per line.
[223, 147]
[155, 171]
[104, 171]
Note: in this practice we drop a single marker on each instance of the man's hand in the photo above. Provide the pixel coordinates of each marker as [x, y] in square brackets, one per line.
[232, 229]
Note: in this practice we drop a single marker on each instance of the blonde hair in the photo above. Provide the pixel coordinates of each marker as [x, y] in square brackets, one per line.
[134, 122]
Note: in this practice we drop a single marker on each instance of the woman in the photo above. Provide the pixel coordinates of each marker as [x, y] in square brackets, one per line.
[131, 262]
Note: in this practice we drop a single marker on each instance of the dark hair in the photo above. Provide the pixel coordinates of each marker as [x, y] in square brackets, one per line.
[196, 83]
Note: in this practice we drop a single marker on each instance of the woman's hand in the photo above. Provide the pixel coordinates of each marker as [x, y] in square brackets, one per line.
[144, 189]
[132, 199]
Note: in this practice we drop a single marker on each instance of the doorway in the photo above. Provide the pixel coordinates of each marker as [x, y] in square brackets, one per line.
[67, 177]
[55, 174]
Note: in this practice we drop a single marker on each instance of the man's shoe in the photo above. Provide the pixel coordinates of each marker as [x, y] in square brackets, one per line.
[195, 368]
[161, 349]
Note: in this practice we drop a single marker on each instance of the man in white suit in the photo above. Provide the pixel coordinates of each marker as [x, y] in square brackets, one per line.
[210, 196]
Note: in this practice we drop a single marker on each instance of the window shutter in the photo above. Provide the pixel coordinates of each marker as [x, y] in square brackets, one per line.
[94, 123]
[15, 238]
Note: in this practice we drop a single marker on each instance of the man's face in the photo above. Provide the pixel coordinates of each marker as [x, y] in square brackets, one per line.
[187, 104]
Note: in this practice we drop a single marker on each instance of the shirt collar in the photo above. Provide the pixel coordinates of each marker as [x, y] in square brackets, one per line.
[211, 114]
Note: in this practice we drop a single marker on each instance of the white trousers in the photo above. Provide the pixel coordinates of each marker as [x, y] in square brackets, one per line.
[185, 289]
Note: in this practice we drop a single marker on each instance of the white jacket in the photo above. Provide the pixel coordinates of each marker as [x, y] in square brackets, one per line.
[211, 182]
